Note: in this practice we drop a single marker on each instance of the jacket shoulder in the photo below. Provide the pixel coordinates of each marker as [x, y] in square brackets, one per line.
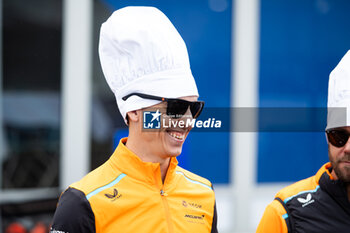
[193, 178]
[97, 178]
[273, 219]
[73, 213]
[305, 185]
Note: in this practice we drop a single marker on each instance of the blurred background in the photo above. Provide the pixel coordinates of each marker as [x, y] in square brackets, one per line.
[59, 120]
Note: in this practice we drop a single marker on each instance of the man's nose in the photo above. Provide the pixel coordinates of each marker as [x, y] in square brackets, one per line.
[347, 146]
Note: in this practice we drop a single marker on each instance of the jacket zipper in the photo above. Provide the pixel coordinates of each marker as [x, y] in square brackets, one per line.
[163, 196]
[167, 211]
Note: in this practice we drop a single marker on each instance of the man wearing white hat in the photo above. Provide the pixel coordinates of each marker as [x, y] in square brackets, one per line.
[141, 188]
[321, 203]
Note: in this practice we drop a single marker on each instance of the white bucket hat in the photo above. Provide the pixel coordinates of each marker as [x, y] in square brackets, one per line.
[339, 94]
[141, 51]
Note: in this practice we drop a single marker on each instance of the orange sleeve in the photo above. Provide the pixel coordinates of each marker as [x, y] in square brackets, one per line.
[272, 220]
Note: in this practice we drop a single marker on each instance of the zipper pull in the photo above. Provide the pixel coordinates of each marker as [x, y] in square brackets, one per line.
[163, 193]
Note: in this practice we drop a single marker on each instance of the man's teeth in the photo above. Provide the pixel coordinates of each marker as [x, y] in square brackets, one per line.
[180, 137]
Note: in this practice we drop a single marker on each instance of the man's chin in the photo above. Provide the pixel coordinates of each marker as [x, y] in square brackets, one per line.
[174, 154]
[343, 172]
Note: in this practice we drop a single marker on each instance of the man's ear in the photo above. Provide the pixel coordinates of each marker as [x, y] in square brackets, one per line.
[133, 116]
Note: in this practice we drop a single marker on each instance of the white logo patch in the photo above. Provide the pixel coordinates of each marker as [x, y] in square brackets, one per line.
[56, 231]
[308, 200]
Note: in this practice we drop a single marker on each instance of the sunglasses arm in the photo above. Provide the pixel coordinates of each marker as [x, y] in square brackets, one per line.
[325, 134]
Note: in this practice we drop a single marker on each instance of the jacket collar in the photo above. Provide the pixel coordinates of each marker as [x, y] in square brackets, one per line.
[324, 169]
[335, 188]
[131, 165]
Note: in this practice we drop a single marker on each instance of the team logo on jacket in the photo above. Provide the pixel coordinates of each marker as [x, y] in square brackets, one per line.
[191, 204]
[184, 203]
[113, 196]
[195, 218]
[192, 216]
[306, 201]
[151, 120]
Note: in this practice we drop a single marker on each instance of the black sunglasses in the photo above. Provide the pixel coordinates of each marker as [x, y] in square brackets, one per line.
[337, 137]
[176, 108]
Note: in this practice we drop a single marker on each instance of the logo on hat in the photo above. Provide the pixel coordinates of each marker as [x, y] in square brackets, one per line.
[151, 120]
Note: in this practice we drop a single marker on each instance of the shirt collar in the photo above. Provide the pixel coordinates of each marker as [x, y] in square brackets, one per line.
[131, 165]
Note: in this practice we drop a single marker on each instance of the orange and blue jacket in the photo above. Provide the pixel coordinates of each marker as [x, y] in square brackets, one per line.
[313, 205]
[127, 195]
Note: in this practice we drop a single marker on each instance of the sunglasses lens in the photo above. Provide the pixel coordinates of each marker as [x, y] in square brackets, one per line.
[176, 108]
[196, 109]
[337, 138]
